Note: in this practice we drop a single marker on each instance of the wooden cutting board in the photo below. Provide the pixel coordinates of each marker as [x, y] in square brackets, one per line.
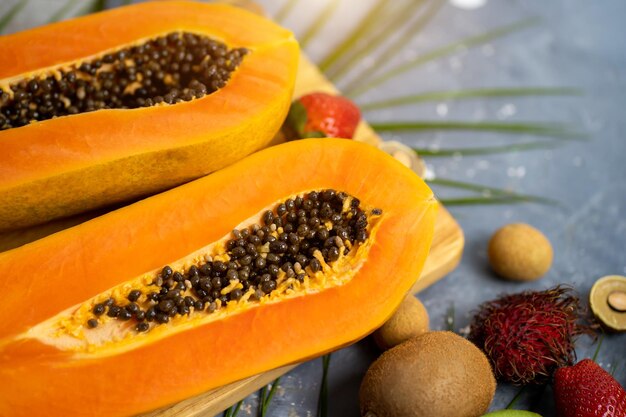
[444, 256]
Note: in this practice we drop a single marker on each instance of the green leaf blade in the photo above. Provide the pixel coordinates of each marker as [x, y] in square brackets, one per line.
[487, 192]
[322, 403]
[262, 399]
[481, 200]
[348, 43]
[376, 37]
[597, 351]
[297, 117]
[319, 23]
[489, 150]
[285, 10]
[11, 13]
[397, 45]
[540, 129]
[470, 94]
[450, 318]
[268, 398]
[468, 42]
[514, 400]
[62, 12]
[92, 7]
[233, 410]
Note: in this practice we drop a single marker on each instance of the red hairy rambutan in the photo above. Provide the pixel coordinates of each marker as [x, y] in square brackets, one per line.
[527, 336]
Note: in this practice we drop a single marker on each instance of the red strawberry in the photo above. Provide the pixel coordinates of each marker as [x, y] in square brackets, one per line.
[319, 115]
[586, 390]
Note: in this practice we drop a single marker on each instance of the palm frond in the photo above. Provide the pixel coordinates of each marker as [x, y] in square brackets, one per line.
[233, 410]
[450, 318]
[540, 129]
[469, 94]
[62, 12]
[376, 37]
[322, 404]
[284, 11]
[92, 7]
[400, 41]
[319, 23]
[486, 150]
[515, 398]
[268, 399]
[357, 33]
[11, 13]
[262, 396]
[438, 53]
[489, 192]
[481, 200]
[597, 351]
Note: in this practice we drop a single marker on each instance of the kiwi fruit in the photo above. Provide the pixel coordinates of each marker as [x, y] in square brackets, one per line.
[409, 320]
[436, 374]
[519, 252]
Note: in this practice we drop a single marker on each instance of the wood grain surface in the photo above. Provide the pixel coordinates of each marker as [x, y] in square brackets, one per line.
[444, 256]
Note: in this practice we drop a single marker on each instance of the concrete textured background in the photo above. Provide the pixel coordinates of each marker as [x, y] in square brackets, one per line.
[577, 44]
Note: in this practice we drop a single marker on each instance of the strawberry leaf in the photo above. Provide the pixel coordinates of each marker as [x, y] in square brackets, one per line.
[297, 117]
[314, 134]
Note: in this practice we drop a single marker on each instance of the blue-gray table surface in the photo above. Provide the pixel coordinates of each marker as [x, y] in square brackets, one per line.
[577, 43]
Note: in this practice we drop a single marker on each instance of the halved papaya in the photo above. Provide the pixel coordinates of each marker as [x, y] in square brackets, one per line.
[122, 104]
[292, 252]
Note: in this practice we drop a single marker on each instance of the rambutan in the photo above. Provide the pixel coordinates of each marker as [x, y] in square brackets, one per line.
[527, 336]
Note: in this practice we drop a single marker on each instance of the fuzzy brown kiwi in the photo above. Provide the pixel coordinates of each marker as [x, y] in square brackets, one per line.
[409, 320]
[437, 374]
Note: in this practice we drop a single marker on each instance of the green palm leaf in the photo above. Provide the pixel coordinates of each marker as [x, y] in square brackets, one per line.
[62, 12]
[405, 36]
[270, 395]
[485, 150]
[385, 29]
[468, 186]
[450, 318]
[360, 30]
[284, 11]
[232, 411]
[355, 88]
[11, 13]
[93, 7]
[322, 403]
[490, 195]
[319, 23]
[541, 129]
[469, 94]
[515, 398]
[472, 201]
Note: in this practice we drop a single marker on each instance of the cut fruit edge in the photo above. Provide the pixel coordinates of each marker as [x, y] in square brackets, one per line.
[126, 243]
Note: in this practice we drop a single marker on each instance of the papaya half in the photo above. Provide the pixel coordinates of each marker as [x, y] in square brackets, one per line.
[129, 102]
[290, 253]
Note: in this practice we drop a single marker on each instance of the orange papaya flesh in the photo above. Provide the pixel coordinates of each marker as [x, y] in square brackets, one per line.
[47, 348]
[78, 162]
[217, 278]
